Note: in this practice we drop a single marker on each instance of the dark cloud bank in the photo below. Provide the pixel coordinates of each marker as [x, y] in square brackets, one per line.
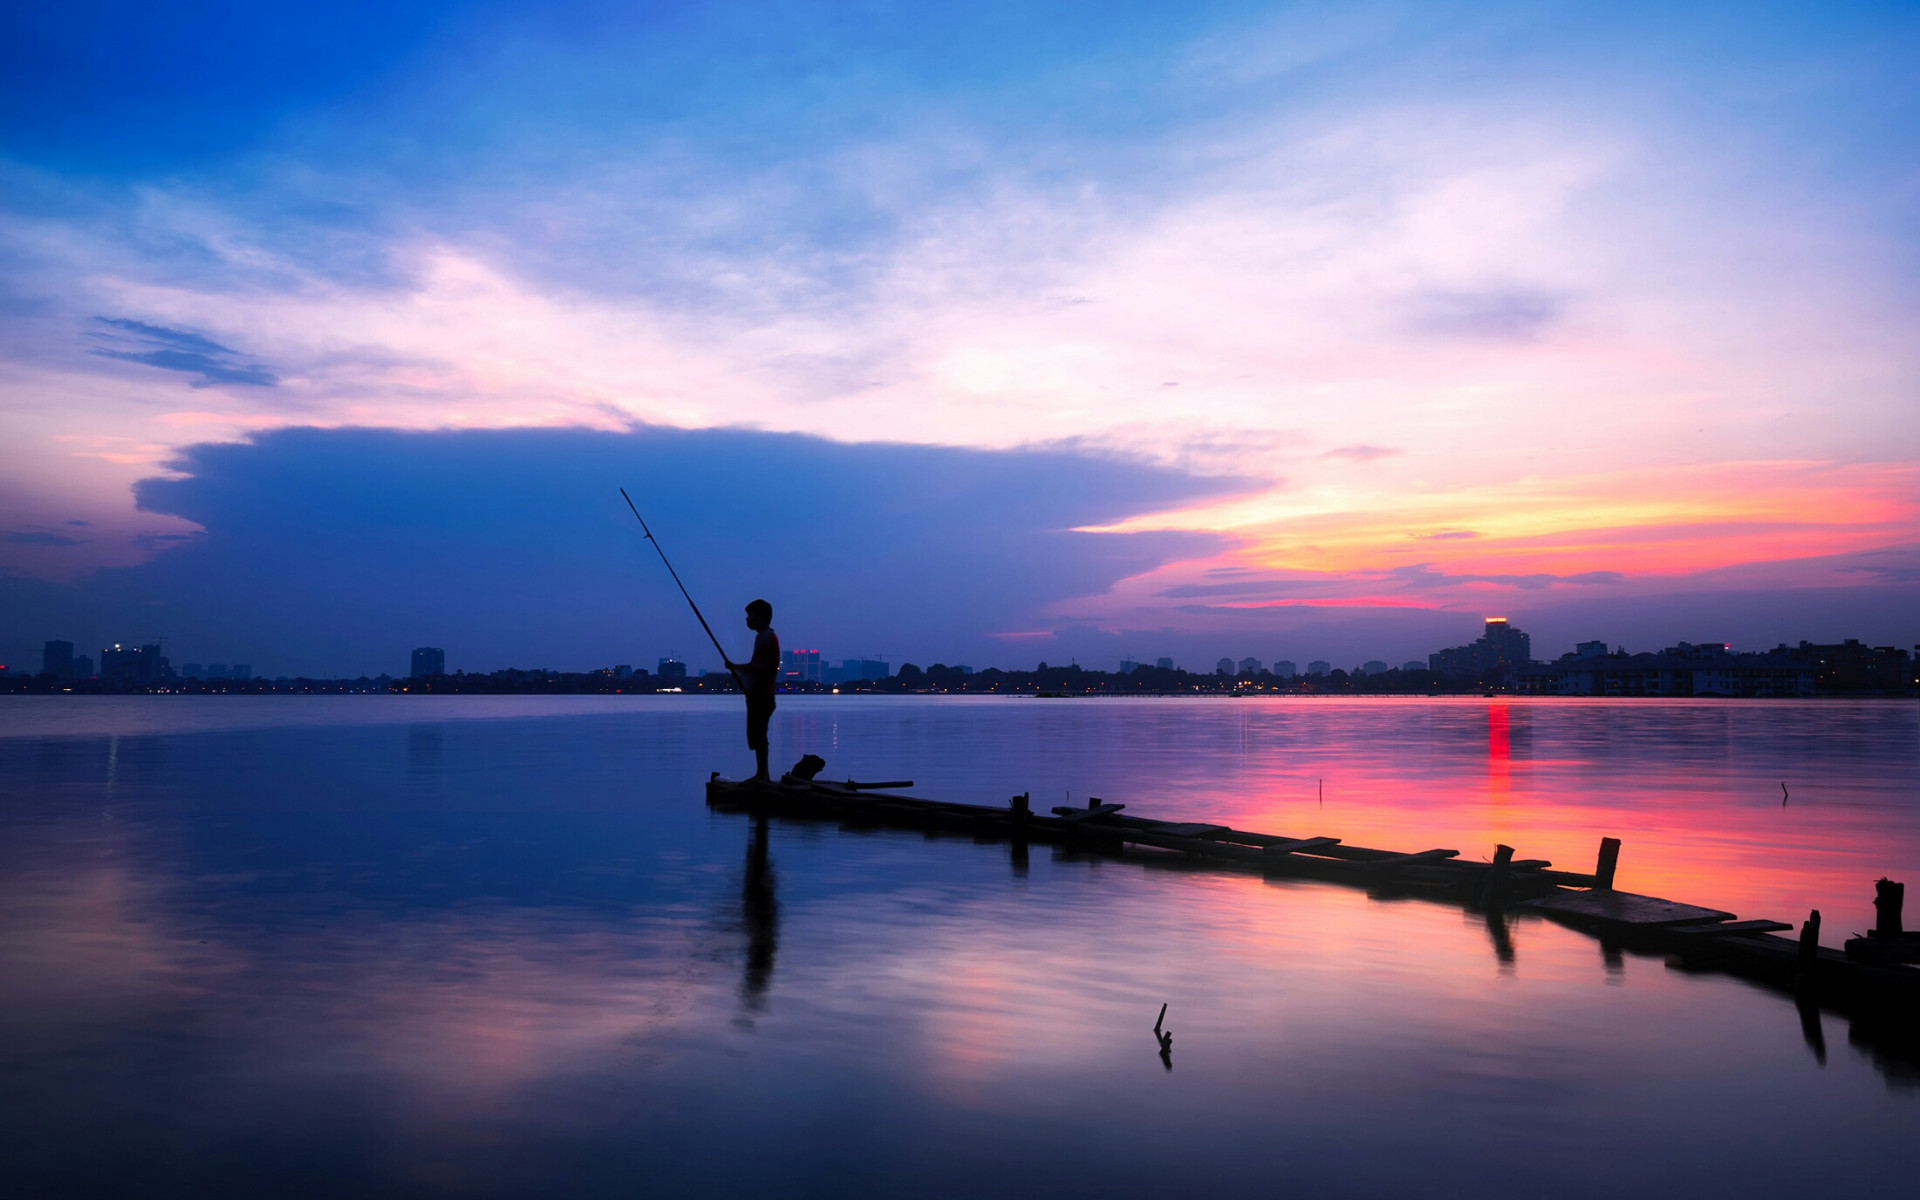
[339, 550]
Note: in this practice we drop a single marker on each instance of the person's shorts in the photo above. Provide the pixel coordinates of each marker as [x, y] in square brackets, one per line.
[759, 712]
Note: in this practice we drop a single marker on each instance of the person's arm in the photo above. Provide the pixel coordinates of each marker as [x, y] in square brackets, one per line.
[762, 667]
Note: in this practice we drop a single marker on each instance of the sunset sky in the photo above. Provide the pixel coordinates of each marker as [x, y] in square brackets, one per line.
[983, 333]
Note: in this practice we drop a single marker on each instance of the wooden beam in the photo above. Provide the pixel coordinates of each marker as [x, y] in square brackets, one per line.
[1609, 859]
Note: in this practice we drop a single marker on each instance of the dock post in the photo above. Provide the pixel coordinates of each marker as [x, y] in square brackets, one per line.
[1888, 897]
[1809, 945]
[1495, 893]
[1609, 859]
[1021, 808]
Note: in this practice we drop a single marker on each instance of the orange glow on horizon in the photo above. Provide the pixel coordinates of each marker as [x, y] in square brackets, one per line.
[1602, 528]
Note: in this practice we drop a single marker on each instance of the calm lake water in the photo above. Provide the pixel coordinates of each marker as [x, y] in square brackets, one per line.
[496, 946]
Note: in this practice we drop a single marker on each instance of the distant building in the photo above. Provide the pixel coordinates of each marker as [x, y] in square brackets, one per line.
[1851, 667]
[1128, 666]
[241, 671]
[1285, 668]
[800, 666]
[1165, 664]
[216, 670]
[1319, 667]
[1250, 665]
[1413, 665]
[854, 669]
[1223, 667]
[623, 671]
[193, 671]
[672, 668]
[133, 664]
[428, 660]
[56, 659]
[1376, 667]
[1686, 669]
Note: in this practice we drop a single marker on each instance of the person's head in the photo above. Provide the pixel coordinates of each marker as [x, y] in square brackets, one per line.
[759, 615]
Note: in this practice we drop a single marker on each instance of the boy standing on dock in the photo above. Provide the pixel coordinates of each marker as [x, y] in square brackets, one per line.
[757, 676]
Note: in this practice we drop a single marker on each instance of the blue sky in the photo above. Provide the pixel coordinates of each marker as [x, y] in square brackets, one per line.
[1599, 315]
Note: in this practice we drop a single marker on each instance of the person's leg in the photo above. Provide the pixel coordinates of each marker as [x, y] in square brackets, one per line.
[759, 713]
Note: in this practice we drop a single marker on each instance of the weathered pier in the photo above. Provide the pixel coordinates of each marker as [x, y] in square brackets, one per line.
[1876, 976]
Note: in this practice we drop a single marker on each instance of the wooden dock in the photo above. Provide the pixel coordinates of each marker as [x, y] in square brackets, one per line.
[1693, 937]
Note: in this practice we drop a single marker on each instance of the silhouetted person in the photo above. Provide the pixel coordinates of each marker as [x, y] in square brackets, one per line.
[758, 675]
[760, 914]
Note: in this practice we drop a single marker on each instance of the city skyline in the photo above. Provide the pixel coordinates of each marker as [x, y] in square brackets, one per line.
[1502, 646]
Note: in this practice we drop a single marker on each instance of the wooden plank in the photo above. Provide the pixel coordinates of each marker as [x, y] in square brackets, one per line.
[1299, 845]
[1728, 928]
[1198, 847]
[1192, 829]
[1401, 860]
[1072, 815]
[1626, 909]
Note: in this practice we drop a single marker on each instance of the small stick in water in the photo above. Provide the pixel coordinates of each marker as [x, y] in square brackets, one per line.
[1783, 793]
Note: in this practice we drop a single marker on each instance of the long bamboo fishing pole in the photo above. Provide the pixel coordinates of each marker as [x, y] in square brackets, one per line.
[683, 589]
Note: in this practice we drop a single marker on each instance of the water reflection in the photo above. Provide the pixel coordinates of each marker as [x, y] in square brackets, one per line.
[511, 955]
[760, 917]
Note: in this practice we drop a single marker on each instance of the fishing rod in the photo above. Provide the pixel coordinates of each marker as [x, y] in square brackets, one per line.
[683, 588]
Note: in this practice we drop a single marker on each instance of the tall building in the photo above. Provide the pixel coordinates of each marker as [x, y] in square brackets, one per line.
[800, 666]
[1503, 645]
[244, 671]
[1165, 664]
[1128, 666]
[672, 668]
[852, 669]
[428, 660]
[133, 664]
[1250, 665]
[1500, 649]
[1223, 667]
[1374, 666]
[1319, 666]
[1413, 665]
[57, 659]
[1285, 668]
